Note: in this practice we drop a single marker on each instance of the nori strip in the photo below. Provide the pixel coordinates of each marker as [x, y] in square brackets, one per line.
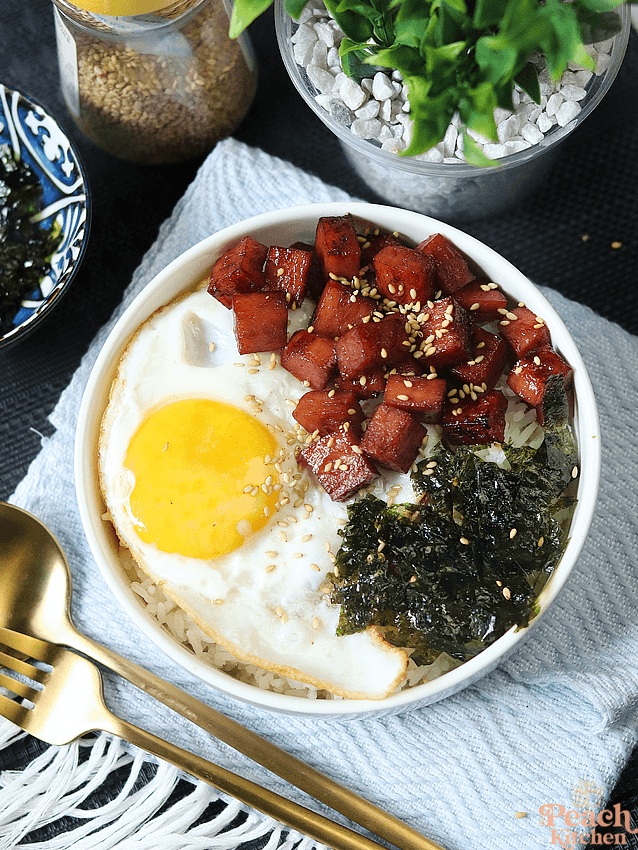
[454, 572]
[25, 247]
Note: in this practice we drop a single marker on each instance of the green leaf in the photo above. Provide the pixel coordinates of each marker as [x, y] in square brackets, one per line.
[477, 110]
[431, 115]
[474, 154]
[294, 7]
[527, 79]
[401, 57]
[495, 58]
[355, 26]
[488, 13]
[244, 13]
[353, 60]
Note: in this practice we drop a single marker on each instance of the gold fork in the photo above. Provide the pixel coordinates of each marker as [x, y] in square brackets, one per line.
[63, 700]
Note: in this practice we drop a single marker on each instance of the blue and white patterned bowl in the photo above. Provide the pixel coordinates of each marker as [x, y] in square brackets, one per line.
[37, 138]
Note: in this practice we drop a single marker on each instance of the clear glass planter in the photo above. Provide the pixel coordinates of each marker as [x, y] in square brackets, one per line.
[448, 191]
[156, 87]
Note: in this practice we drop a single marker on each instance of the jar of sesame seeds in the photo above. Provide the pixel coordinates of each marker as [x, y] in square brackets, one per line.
[153, 81]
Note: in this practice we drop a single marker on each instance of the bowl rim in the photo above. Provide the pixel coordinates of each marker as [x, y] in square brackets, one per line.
[53, 299]
[410, 165]
[162, 289]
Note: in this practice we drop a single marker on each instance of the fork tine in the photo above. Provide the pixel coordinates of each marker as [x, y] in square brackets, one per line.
[18, 665]
[12, 711]
[17, 687]
[33, 647]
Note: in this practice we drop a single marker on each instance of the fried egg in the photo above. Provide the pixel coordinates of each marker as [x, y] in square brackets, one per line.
[198, 471]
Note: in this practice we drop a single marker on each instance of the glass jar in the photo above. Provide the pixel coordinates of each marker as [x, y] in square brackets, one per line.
[153, 81]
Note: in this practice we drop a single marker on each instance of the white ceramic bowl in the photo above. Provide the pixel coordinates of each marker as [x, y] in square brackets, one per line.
[284, 227]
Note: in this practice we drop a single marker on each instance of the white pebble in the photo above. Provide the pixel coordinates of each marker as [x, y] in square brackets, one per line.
[352, 94]
[544, 123]
[320, 56]
[494, 151]
[393, 145]
[302, 51]
[568, 111]
[302, 34]
[531, 133]
[368, 111]
[572, 92]
[325, 33]
[554, 103]
[385, 111]
[603, 61]
[323, 80]
[365, 129]
[333, 59]
[382, 88]
[516, 145]
[433, 155]
[508, 129]
[449, 140]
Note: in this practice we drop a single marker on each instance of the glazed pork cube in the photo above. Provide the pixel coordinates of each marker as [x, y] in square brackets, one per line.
[315, 279]
[530, 377]
[404, 275]
[393, 437]
[373, 244]
[484, 368]
[524, 330]
[369, 385]
[482, 299]
[339, 464]
[239, 269]
[452, 270]
[288, 270]
[261, 321]
[326, 411]
[408, 365]
[367, 347]
[446, 334]
[310, 357]
[337, 246]
[475, 423]
[417, 395]
[339, 309]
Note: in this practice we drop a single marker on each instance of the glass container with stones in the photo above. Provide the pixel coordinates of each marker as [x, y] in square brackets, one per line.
[153, 81]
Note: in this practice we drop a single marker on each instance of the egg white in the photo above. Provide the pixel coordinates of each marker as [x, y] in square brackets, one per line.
[277, 617]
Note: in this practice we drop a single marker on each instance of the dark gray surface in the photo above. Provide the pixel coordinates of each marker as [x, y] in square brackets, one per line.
[591, 191]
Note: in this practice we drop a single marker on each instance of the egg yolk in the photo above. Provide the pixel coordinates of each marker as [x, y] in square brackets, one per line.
[203, 477]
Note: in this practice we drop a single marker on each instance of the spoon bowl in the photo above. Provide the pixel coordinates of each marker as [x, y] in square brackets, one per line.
[35, 580]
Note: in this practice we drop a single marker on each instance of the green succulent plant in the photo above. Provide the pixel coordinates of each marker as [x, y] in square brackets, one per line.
[458, 56]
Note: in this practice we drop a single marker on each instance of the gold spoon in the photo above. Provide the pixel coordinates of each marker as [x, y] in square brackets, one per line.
[35, 591]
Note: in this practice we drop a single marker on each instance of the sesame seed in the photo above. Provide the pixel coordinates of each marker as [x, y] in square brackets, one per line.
[271, 567]
[211, 346]
[218, 601]
[513, 532]
[298, 555]
[507, 593]
[520, 815]
[475, 306]
[575, 472]
[537, 360]
[540, 542]
[384, 353]
[465, 541]
[315, 623]
[280, 272]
